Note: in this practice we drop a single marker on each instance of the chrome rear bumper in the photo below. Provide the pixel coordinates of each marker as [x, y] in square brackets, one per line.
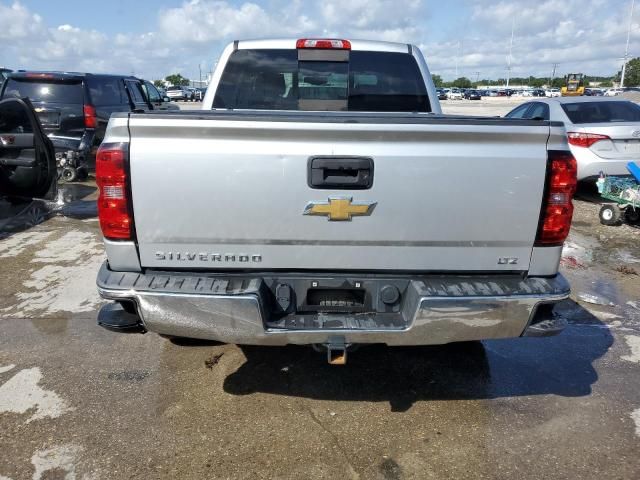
[434, 309]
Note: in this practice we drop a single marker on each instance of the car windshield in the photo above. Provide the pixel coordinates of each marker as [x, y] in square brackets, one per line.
[277, 80]
[49, 92]
[602, 112]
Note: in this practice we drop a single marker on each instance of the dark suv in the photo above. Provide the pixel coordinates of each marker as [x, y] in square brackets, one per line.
[74, 108]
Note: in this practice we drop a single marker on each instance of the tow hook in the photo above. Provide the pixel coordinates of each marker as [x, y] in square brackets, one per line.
[337, 351]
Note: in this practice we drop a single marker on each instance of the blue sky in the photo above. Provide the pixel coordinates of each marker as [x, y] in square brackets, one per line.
[153, 39]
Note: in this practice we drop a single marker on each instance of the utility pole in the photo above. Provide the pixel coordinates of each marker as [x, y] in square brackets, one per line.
[553, 73]
[200, 69]
[626, 50]
[513, 24]
[477, 77]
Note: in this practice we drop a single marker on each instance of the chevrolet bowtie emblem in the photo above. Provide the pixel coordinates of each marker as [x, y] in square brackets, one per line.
[340, 209]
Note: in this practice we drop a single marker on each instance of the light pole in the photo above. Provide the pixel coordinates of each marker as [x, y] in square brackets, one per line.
[513, 23]
[553, 73]
[626, 50]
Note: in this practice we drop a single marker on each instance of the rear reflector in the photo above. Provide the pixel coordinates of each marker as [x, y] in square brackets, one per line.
[580, 139]
[325, 43]
[90, 116]
[114, 210]
[557, 209]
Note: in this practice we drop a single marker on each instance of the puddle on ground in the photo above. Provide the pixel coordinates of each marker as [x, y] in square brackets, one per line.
[74, 200]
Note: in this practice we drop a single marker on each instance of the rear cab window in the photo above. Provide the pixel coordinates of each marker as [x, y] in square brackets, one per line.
[284, 79]
[602, 112]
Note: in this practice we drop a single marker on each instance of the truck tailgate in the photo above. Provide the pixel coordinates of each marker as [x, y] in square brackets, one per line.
[215, 191]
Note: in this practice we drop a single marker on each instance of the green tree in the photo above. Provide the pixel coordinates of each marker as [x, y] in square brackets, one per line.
[632, 73]
[462, 82]
[177, 79]
[557, 82]
[158, 83]
[437, 80]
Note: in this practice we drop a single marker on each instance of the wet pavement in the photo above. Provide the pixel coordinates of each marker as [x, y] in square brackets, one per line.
[80, 402]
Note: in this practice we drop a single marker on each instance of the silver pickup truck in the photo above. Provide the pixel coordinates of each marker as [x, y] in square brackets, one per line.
[322, 198]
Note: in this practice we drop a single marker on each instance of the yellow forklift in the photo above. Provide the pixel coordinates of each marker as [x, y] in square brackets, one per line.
[573, 85]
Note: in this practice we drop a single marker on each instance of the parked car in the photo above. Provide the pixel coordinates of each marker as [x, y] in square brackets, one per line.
[602, 133]
[613, 92]
[538, 92]
[177, 92]
[472, 95]
[442, 95]
[552, 92]
[74, 109]
[196, 94]
[315, 155]
[454, 94]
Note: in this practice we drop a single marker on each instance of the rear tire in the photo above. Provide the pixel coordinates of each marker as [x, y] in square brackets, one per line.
[69, 174]
[610, 214]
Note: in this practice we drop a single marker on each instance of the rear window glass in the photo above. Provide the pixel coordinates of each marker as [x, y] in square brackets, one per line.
[602, 112]
[277, 80]
[174, 88]
[50, 92]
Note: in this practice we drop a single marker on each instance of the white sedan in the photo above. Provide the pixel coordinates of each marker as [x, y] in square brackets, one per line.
[603, 133]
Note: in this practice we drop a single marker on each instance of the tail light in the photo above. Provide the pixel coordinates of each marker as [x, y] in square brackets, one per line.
[324, 43]
[90, 116]
[557, 209]
[580, 139]
[114, 212]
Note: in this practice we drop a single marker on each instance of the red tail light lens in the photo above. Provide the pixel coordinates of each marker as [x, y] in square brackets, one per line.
[90, 116]
[557, 209]
[114, 210]
[324, 43]
[580, 139]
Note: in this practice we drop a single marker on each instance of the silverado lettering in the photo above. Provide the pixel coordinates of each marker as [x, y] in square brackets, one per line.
[205, 257]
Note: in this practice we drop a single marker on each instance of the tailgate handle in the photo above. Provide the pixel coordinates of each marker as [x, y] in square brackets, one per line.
[352, 173]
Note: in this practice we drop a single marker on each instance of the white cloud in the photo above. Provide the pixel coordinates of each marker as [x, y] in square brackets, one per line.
[580, 35]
